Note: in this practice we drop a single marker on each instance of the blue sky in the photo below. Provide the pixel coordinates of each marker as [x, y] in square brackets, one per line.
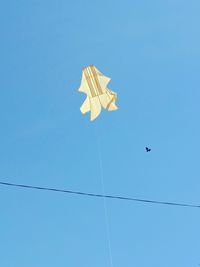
[151, 51]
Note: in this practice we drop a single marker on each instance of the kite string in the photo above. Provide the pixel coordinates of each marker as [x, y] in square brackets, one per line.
[104, 198]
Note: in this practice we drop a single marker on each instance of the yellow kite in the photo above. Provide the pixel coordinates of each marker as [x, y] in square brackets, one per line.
[94, 85]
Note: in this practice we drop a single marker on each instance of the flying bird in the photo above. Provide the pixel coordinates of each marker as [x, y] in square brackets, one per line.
[148, 149]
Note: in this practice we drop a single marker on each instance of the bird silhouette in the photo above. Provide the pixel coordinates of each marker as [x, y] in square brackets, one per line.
[148, 149]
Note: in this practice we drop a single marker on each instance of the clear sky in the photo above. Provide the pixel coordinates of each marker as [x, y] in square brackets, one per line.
[151, 49]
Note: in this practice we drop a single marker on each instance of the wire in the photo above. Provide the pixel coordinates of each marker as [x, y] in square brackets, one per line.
[100, 195]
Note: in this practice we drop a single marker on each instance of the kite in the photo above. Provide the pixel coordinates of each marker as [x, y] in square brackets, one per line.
[94, 85]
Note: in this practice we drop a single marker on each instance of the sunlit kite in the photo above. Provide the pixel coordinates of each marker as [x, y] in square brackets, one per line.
[94, 85]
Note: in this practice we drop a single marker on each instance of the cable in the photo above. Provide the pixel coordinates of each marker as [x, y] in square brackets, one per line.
[100, 195]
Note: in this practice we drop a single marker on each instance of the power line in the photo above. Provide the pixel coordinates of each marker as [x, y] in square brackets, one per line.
[100, 195]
